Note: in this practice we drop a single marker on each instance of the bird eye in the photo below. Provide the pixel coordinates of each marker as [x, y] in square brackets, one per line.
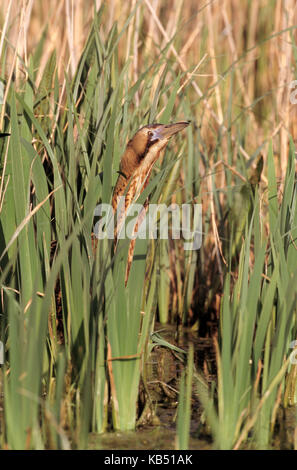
[150, 134]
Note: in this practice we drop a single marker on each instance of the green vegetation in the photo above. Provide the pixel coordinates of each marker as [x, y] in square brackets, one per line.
[76, 340]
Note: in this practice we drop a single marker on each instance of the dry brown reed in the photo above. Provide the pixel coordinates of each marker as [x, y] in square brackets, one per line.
[208, 39]
[228, 31]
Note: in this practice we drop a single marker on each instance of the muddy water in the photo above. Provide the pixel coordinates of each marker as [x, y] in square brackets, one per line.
[159, 438]
[157, 427]
[157, 424]
[157, 430]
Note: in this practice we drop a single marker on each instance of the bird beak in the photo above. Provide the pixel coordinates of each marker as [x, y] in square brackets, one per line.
[168, 130]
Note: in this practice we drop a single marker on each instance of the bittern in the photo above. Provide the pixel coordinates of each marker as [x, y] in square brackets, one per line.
[136, 164]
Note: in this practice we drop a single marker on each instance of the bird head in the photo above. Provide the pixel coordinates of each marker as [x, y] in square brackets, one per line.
[141, 153]
[154, 135]
[145, 146]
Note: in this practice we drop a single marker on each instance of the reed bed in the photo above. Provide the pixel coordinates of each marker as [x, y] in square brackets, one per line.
[77, 79]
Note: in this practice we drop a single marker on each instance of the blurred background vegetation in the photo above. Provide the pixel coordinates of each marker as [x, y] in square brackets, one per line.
[78, 79]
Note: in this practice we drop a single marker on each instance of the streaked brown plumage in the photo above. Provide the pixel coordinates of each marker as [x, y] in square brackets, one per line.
[136, 165]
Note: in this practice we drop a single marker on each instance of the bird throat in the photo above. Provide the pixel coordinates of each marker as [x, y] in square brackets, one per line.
[147, 147]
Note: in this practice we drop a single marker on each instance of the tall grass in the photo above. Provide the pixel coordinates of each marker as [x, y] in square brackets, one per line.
[76, 339]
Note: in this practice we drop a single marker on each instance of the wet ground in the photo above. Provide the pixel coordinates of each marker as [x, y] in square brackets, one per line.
[157, 424]
[158, 429]
[158, 438]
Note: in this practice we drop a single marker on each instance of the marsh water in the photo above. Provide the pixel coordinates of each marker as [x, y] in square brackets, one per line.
[157, 424]
[156, 428]
[158, 432]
